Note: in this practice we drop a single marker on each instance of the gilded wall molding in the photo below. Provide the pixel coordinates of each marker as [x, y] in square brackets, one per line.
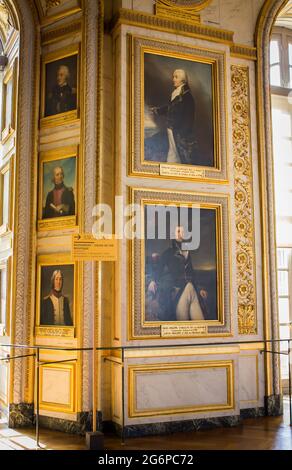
[90, 125]
[138, 18]
[50, 11]
[243, 52]
[52, 3]
[243, 198]
[54, 35]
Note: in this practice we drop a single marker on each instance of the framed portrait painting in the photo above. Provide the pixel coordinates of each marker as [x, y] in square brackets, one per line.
[60, 86]
[177, 94]
[58, 188]
[182, 282]
[57, 288]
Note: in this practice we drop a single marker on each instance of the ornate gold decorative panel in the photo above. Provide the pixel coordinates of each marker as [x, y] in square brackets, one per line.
[243, 196]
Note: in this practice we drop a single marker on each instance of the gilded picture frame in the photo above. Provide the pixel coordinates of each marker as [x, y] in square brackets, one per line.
[47, 268]
[5, 296]
[6, 193]
[201, 153]
[141, 325]
[54, 114]
[66, 158]
[9, 98]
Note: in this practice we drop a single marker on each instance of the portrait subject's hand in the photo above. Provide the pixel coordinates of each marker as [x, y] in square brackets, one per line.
[152, 288]
[203, 293]
[60, 208]
[154, 110]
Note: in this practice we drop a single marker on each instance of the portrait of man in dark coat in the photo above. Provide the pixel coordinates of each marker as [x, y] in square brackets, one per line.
[178, 111]
[62, 96]
[173, 286]
[55, 307]
[60, 201]
[180, 115]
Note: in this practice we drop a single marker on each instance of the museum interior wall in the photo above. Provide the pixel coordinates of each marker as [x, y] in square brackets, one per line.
[63, 151]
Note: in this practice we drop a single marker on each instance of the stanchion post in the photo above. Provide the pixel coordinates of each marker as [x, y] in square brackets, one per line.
[37, 397]
[123, 396]
[94, 439]
[289, 369]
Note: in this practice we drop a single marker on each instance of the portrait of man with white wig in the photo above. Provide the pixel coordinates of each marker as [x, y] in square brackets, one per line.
[61, 91]
[178, 116]
[55, 306]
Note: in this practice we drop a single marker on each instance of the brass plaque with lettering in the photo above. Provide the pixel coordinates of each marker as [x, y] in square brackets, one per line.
[87, 248]
[66, 332]
[183, 171]
[172, 331]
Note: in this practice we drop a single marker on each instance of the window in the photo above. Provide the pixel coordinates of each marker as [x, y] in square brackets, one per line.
[281, 59]
[282, 141]
[275, 63]
[290, 63]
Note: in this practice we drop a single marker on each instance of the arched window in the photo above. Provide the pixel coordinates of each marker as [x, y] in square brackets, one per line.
[281, 102]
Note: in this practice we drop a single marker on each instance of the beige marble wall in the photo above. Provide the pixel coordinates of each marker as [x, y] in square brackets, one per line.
[239, 17]
[233, 15]
[251, 379]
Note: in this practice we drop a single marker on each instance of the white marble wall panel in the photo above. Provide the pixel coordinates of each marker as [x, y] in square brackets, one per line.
[248, 376]
[56, 386]
[116, 392]
[181, 388]
[3, 383]
[214, 381]
[251, 379]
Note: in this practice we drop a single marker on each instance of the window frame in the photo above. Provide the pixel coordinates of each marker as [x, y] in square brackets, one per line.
[284, 37]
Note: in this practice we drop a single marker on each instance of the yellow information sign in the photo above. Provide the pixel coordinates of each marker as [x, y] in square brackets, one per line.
[87, 248]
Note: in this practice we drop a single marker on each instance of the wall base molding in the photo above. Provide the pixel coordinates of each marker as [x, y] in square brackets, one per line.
[274, 405]
[253, 412]
[169, 427]
[82, 425]
[21, 415]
